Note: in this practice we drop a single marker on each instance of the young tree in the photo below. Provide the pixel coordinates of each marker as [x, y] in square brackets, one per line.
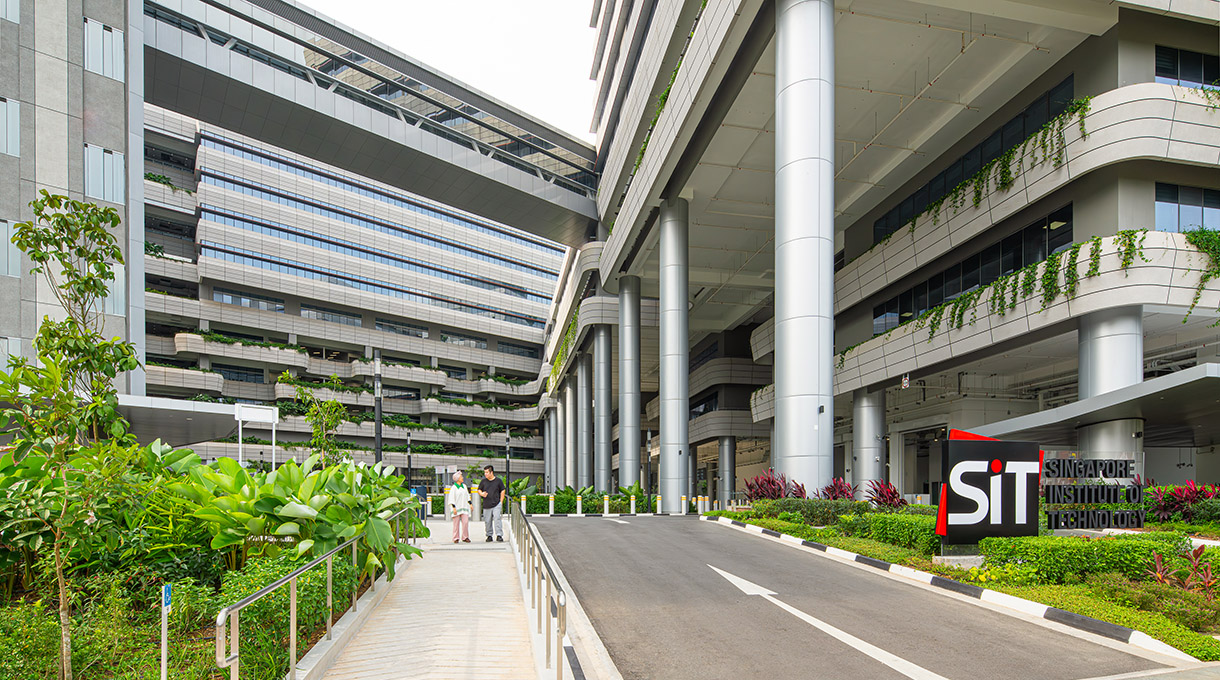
[70, 445]
[324, 416]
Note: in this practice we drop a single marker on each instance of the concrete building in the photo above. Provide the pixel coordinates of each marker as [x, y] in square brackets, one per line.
[862, 224]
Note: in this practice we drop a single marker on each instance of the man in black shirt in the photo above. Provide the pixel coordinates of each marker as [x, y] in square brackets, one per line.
[491, 488]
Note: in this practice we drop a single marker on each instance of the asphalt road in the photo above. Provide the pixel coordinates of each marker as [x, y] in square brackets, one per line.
[662, 612]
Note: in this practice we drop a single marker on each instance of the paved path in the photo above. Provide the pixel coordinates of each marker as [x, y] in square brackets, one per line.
[663, 612]
[457, 613]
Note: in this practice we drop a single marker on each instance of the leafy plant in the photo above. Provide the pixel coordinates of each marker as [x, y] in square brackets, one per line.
[324, 417]
[1206, 241]
[883, 494]
[771, 485]
[815, 511]
[838, 489]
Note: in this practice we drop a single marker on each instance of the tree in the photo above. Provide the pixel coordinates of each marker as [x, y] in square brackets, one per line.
[70, 446]
[324, 416]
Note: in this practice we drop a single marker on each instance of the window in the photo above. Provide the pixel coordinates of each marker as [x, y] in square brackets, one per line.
[401, 328]
[10, 255]
[1029, 246]
[11, 10]
[232, 297]
[334, 316]
[104, 50]
[1181, 208]
[116, 301]
[239, 373]
[704, 356]
[464, 340]
[454, 372]
[840, 259]
[10, 348]
[407, 393]
[1183, 67]
[705, 405]
[1023, 125]
[10, 125]
[518, 350]
[104, 174]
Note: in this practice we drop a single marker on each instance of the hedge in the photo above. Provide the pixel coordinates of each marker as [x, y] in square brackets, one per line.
[917, 532]
[816, 511]
[1061, 559]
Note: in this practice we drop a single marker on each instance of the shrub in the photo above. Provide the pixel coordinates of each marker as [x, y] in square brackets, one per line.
[853, 525]
[769, 485]
[1063, 559]
[838, 490]
[29, 641]
[1019, 574]
[1191, 609]
[884, 495]
[913, 509]
[917, 532]
[1206, 510]
[816, 511]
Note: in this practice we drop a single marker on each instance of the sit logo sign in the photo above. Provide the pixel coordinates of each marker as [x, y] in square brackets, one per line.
[989, 488]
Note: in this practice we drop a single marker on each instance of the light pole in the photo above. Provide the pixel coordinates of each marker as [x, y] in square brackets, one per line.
[508, 453]
[377, 405]
[648, 465]
[408, 458]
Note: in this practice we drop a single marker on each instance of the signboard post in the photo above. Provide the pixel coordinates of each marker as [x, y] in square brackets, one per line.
[166, 601]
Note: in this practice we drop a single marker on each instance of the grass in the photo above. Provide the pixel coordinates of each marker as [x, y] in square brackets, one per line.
[1079, 599]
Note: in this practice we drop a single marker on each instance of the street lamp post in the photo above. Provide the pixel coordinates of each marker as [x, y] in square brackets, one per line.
[648, 464]
[508, 453]
[377, 405]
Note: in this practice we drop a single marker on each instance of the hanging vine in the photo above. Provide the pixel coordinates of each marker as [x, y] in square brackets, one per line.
[1050, 280]
[1131, 245]
[1206, 241]
[1071, 271]
[1094, 257]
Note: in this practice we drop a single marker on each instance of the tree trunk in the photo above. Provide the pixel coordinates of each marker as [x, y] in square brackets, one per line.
[65, 620]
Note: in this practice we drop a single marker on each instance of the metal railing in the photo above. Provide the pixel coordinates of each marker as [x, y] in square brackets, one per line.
[534, 563]
[230, 613]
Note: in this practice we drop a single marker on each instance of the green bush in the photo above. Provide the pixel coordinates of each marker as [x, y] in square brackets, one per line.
[913, 509]
[1185, 607]
[816, 511]
[917, 532]
[438, 505]
[264, 624]
[1081, 600]
[1066, 559]
[853, 525]
[29, 641]
[1206, 510]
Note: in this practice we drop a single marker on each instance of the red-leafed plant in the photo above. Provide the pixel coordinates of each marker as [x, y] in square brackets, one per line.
[770, 485]
[838, 489]
[1162, 572]
[1197, 577]
[882, 494]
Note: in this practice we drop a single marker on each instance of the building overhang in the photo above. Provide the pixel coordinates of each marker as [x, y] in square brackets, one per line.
[1179, 409]
[177, 422]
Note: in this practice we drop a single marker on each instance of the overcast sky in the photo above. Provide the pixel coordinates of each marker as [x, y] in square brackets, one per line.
[532, 54]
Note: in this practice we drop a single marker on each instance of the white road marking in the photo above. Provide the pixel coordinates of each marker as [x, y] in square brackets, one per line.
[609, 519]
[899, 664]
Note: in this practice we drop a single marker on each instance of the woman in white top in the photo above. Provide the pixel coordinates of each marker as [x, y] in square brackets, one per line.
[459, 502]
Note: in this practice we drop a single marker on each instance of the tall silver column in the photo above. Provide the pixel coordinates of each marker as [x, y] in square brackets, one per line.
[548, 443]
[629, 380]
[1111, 349]
[868, 438]
[584, 421]
[602, 408]
[728, 470]
[567, 476]
[804, 240]
[674, 354]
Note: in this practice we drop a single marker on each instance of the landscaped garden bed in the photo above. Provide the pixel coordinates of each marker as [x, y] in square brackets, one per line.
[1151, 581]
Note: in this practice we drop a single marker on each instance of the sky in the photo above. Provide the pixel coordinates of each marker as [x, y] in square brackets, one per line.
[532, 54]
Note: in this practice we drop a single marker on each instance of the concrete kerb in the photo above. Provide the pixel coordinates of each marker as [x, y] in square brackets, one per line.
[586, 645]
[318, 660]
[1111, 635]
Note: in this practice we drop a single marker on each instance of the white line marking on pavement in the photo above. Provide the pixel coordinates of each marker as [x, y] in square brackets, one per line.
[609, 519]
[896, 662]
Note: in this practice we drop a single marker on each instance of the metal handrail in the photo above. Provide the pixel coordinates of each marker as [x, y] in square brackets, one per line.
[533, 562]
[230, 613]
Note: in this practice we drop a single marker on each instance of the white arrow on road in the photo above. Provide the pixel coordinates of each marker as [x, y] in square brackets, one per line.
[897, 663]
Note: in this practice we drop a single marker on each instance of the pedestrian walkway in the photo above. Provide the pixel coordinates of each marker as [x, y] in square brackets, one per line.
[456, 613]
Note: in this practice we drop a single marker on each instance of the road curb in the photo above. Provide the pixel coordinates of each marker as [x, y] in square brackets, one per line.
[1087, 624]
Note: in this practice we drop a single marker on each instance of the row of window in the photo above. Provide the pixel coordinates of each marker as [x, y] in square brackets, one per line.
[280, 197]
[518, 350]
[280, 265]
[464, 340]
[1184, 67]
[331, 315]
[239, 373]
[1050, 104]
[401, 328]
[1180, 208]
[251, 300]
[1031, 245]
[271, 159]
[297, 235]
[104, 51]
[105, 174]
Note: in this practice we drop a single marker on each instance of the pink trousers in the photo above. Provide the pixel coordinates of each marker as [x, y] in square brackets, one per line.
[461, 523]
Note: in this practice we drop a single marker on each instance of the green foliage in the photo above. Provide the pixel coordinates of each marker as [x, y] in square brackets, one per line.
[917, 532]
[469, 402]
[324, 417]
[1068, 559]
[565, 346]
[154, 249]
[1206, 511]
[1020, 574]
[1080, 599]
[162, 179]
[1071, 271]
[1193, 610]
[1206, 241]
[332, 383]
[29, 641]
[815, 511]
[213, 336]
[1131, 245]
[264, 625]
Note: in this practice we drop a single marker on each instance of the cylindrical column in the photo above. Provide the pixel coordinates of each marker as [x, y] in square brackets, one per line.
[674, 355]
[1111, 349]
[868, 438]
[728, 471]
[602, 408]
[584, 424]
[565, 437]
[548, 451]
[629, 380]
[804, 241]
[692, 475]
